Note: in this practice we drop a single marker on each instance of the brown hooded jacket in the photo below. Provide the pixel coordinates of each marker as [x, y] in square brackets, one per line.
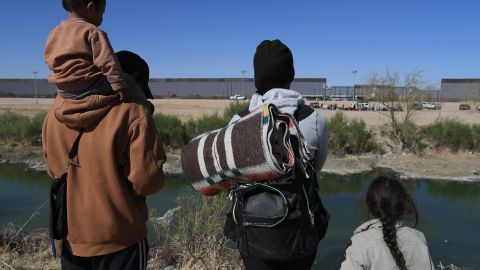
[120, 161]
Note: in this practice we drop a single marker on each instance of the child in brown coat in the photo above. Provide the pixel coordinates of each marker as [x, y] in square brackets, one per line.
[81, 57]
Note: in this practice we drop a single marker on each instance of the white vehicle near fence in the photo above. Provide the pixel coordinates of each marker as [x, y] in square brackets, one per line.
[360, 106]
[431, 105]
[237, 97]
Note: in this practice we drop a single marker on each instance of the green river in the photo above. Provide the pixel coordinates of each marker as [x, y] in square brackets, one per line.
[449, 211]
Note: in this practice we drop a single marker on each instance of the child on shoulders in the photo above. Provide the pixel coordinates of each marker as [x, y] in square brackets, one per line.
[81, 57]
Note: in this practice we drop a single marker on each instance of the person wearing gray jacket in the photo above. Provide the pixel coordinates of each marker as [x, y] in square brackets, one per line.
[383, 243]
[273, 87]
[274, 72]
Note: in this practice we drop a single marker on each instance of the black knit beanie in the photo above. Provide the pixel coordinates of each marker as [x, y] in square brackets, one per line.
[273, 65]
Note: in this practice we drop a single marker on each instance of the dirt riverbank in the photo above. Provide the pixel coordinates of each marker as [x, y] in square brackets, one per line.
[462, 166]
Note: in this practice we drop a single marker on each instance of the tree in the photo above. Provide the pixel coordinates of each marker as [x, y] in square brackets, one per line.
[399, 103]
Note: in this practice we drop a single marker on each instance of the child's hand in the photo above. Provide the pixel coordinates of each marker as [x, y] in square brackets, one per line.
[123, 94]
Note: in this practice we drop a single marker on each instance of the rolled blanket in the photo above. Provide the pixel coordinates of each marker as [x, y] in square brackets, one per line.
[264, 145]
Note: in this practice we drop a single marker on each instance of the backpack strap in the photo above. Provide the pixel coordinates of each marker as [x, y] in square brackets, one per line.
[243, 113]
[303, 111]
[74, 151]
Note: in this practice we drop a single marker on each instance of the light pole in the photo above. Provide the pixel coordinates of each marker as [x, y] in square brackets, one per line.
[325, 93]
[243, 71]
[354, 72]
[35, 81]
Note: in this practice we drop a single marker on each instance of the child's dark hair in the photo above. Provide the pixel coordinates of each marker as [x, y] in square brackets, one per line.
[72, 5]
[388, 200]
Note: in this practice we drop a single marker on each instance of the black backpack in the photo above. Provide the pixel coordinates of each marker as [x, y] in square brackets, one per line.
[58, 199]
[278, 220]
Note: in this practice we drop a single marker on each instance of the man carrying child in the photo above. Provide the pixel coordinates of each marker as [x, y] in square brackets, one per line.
[120, 157]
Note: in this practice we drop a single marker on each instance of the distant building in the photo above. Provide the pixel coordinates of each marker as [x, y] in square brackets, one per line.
[460, 89]
[401, 92]
[172, 87]
[224, 87]
[26, 88]
[369, 92]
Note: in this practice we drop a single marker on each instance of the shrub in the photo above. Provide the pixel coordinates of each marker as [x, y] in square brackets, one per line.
[206, 123]
[19, 127]
[36, 124]
[338, 134]
[476, 136]
[410, 136]
[349, 137]
[13, 125]
[174, 133]
[453, 134]
[234, 108]
[170, 130]
[362, 139]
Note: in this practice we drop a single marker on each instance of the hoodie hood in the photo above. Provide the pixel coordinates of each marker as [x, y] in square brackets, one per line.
[85, 112]
[286, 100]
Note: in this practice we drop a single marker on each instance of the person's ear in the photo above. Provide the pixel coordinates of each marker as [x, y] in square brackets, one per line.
[91, 7]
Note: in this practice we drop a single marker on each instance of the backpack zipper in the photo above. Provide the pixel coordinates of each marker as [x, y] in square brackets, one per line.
[312, 217]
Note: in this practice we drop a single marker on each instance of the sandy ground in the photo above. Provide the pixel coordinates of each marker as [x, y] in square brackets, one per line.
[421, 117]
[194, 108]
[183, 108]
[446, 166]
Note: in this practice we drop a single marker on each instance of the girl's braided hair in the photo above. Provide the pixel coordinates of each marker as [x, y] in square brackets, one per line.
[388, 200]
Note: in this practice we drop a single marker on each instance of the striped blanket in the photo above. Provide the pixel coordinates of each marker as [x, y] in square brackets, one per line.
[263, 145]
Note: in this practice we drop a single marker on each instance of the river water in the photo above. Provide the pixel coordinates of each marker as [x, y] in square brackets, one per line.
[449, 211]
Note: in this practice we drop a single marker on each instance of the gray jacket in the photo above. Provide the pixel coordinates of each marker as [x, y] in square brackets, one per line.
[313, 128]
[368, 250]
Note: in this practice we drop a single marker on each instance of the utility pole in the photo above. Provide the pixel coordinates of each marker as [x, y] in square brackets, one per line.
[325, 93]
[243, 71]
[354, 72]
[35, 81]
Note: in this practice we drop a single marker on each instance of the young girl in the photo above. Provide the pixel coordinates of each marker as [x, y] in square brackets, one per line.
[383, 242]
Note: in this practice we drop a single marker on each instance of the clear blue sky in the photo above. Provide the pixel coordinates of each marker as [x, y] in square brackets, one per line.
[217, 38]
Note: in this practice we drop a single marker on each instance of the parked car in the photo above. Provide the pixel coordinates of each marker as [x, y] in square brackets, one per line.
[464, 107]
[359, 106]
[363, 106]
[237, 97]
[417, 106]
[431, 106]
[314, 105]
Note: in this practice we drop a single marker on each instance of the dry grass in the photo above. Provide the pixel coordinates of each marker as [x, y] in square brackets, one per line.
[192, 236]
[25, 250]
